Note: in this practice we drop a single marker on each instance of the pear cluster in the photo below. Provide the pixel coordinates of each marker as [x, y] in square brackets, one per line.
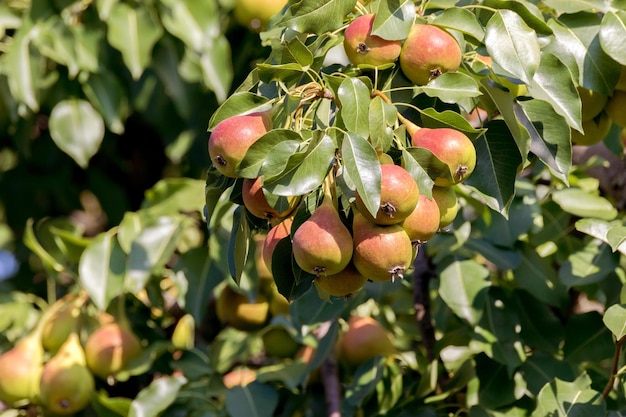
[600, 112]
[427, 52]
[54, 368]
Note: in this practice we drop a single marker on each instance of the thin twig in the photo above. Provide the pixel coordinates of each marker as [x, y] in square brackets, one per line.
[618, 351]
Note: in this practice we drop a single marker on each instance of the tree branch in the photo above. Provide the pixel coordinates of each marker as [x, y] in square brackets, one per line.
[330, 377]
[618, 351]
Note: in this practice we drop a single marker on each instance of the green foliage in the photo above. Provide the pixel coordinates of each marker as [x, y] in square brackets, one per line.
[516, 309]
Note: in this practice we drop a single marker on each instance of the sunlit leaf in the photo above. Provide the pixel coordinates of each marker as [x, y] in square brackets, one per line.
[77, 129]
[615, 319]
[316, 16]
[463, 288]
[361, 162]
[354, 97]
[564, 399]
[513, 45]
[393, 19]
[612, 34]
[253, 400]
[584, 204]
[153, 400]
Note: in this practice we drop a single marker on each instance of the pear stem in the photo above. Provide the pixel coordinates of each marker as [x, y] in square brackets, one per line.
[410, 126]
[328, 187]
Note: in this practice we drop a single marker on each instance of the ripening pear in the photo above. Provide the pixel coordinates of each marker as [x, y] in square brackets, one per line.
[398, 196]
[59, 324]
[20, 370]
[277, 233]
[230, 139]
[256, 203]
[448, 204]
[364, 48]
[423, 222]
[616, 107]
[110, 348]
[279, 342]
[592, 102]
[595, 130]
[236, 310]
[66, 382]
[342, 284]
[256, 14]
[452, 147]
[364, 339]
[381, 253]
[428, 52]
[322, 245]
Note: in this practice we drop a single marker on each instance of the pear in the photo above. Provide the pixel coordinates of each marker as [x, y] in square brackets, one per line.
[256, 203]
[20, 369]
[236, 310]
[277, 233]
[58, 326]
[428, 52]
[66, 383]
[448, 204]
[110, 347]
[342, 284]
[184, 332]
[230, 139]
[452, 147]
[381, 253]
[398, 196]
[592, 102]
[616, 108]
[364, 48]
[595, 130]
[279, 342]
[322, 245]
[364, 339]
[423, 222]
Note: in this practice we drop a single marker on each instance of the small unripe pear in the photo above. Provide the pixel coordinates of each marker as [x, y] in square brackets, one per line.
[595, 130]
[230, 139]
[322, 245]
[381, 253]
[452, 147]
[278, 342]
[66, 383]
[60, 324]
[236, 310]
[184, 333]
[364, 48]
[365, 338]
[20, 370]
[448, 204]
[398, 196]
[109, 349]
[428, 52]
[616, 108]
[592, 102]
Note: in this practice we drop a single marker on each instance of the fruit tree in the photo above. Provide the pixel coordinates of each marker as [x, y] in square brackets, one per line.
[346, 208]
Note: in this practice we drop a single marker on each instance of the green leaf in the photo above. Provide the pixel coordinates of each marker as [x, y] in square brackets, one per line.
[463, 287]
[538, 276]
[101, 270]
[577, 38]
[496, 387]
[583, 204]
[107, 95]
[616, 237]
[393, 19]
[541, 328]
[540, 369]
[239, 244]
[513, 45]
[566, 399]
[462, 20]
[77, 129]
[365, 380]
[497, 165]
[553, 83]
[171, 196]
[452, 87]
[153, 400]
[615, 320]
[382, 117]
[253, 400]
[361, 162]
[526, 10]
[305, 171]
[316, 16]
[134, 32]
[587, 339]
[32, 242]
[575, 6]
[239, 103]
[425, 183]
[22, 63]
[612, 34]
[592, 264]
[150, 250]
[600, 229]
[270, 153]
[354, 98]
[309, 311]
[549, 136]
